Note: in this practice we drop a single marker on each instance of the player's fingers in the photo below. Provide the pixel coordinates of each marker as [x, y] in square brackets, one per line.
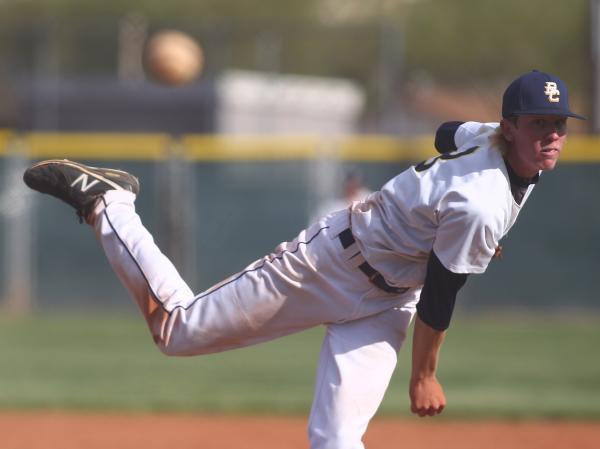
[423, 411]
[414, 409]
[428, 411]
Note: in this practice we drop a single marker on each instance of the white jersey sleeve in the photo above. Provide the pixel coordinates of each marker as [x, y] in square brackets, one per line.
[468, 230]
[474, 133]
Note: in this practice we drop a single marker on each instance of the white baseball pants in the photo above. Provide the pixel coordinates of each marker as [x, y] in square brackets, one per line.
[306, 282]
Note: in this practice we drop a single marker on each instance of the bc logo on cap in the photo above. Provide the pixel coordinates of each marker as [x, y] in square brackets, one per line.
[552, 92]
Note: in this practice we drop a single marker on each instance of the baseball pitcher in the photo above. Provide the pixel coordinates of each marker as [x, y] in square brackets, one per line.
[363, 272]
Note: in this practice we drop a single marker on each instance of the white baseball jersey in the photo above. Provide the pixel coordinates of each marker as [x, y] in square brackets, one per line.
[459, 204]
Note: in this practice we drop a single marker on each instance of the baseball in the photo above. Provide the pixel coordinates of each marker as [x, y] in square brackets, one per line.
[173, 58]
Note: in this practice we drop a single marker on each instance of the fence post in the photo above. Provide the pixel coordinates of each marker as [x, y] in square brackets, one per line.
[16, 211]
[176, 196]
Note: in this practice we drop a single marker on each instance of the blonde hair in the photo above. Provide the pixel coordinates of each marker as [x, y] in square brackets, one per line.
[499, 141]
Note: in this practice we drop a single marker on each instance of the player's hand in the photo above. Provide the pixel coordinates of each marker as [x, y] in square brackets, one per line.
[426, 396]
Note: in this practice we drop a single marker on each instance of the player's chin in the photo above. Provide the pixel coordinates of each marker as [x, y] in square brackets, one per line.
[548, 162]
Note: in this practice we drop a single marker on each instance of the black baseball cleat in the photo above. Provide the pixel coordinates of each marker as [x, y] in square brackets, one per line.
[78, 185]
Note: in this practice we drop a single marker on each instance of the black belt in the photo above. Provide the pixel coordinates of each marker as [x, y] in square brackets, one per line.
[375, 277]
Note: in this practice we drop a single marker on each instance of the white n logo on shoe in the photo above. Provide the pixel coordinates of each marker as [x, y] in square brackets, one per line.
[83, 179]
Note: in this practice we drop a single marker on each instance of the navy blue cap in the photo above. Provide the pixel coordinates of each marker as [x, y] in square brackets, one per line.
[537, 93]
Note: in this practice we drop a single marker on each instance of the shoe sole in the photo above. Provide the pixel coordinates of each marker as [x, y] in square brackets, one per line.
[88, 170]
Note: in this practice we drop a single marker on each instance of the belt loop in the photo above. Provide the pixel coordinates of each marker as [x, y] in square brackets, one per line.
[347, 240]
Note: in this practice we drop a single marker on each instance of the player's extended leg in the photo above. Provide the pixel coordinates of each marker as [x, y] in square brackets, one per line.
[306, 282]
[152, 280]
[355, 366]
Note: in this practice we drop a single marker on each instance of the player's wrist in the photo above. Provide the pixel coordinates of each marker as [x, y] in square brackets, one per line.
[423, 376]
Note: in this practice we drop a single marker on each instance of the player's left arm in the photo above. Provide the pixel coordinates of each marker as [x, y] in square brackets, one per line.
[434, 312]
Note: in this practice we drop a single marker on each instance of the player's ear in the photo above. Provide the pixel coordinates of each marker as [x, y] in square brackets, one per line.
[507, 127]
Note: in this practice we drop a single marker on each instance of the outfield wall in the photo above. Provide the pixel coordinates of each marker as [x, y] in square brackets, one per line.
[216, 203]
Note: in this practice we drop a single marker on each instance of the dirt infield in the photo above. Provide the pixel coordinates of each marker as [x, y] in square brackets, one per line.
[59, 430]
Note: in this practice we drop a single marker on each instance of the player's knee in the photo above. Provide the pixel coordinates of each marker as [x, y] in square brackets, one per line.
[169, 349]
[173, 348]
[173, 338]
[168, 344]
[176, 345]
[177, 338]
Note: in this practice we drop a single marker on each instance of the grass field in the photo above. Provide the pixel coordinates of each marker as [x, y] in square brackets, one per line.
[491, 367]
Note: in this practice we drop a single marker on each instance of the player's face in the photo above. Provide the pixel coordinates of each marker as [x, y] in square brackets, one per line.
[536, 142]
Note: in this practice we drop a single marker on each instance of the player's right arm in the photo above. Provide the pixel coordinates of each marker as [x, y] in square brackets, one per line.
[468, 230]
[464, 243]
[426, 393]
[434, 312]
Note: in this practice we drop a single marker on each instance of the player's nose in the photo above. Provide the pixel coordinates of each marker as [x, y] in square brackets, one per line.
[555, 132]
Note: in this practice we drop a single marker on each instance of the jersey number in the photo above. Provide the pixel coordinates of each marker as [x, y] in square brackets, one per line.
[446, 156]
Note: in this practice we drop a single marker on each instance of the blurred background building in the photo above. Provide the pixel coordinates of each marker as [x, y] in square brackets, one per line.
[290, 96]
